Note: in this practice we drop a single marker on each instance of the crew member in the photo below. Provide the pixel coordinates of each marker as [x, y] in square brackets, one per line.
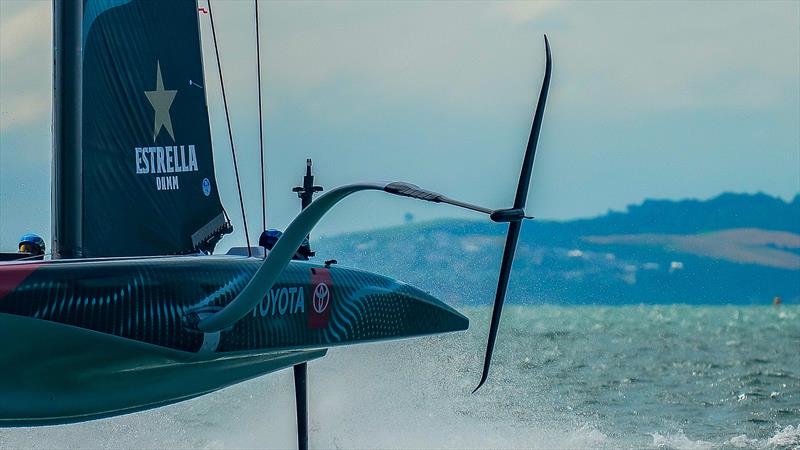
[31, 244]
[270, 237]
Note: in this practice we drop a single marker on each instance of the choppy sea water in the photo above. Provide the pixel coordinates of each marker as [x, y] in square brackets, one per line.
[678, 377]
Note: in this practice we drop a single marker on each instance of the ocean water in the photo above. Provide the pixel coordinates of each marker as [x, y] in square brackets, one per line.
[679, 377]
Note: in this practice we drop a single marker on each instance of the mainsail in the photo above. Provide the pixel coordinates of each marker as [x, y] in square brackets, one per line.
[148, 172]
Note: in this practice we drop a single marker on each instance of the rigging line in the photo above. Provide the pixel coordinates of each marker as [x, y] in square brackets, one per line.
[33, 257]
[230, 132]
[260, 126]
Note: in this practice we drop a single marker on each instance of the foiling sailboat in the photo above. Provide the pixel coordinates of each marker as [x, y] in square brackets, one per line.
[132, 312]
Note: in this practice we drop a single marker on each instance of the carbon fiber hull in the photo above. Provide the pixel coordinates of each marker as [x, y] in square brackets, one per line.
[94, 338]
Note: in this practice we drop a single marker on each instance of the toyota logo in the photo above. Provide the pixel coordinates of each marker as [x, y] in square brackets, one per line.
[322, 296]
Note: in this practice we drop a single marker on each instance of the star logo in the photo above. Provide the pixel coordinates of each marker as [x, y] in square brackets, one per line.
[161, 100]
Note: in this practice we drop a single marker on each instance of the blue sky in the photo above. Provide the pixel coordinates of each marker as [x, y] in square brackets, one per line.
[648, 100]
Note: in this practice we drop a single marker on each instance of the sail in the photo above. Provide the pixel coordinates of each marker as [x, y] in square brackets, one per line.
[148, 170]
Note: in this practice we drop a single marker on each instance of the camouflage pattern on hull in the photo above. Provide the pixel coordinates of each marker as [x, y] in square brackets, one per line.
[86, 339]
[152, 300]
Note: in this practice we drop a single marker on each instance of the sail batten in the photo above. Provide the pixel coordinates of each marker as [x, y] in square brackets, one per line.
[148, 171]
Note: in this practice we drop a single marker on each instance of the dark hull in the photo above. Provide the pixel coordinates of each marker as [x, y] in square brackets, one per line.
[94, 338]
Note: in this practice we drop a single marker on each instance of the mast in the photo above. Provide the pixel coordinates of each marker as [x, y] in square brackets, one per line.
[67, 186]
[306, 195]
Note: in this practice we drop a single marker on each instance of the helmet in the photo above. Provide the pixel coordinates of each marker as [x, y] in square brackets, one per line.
[31, 243]
[269, 238]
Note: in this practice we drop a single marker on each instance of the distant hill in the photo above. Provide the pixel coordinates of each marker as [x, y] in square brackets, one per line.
[734, 248]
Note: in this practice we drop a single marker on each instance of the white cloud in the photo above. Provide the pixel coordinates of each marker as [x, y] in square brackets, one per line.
[642, 57]
[23, 109]
[25, 64]
[620, 58]
[524, 11]
[18, 30]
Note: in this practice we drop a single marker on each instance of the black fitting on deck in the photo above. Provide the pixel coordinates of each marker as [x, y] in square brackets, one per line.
[307, 190]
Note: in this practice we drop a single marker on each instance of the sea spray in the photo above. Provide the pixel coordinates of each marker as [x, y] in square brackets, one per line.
[563, 377]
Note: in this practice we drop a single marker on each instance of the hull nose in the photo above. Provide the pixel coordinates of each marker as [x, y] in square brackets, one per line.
[433, 313]
[367, 307]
